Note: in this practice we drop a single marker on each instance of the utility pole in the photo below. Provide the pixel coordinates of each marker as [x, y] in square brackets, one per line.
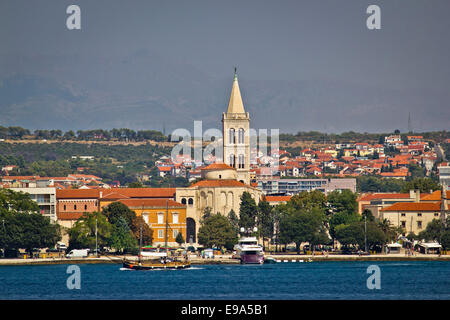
[365, 232]
[96, 238]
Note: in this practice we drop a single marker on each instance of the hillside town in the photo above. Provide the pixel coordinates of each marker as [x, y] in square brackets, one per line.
[219, 185]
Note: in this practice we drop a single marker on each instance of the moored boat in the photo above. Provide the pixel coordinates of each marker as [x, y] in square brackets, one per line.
[248, 251]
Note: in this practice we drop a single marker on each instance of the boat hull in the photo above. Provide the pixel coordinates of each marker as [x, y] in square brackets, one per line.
[252, 258]
[155, 266]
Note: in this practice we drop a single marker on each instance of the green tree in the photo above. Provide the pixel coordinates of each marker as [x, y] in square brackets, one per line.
[147, 232]
[122, 239]
[422, 184]
[265, 220]
[116, 210]
[179, 239]
[248, 211]
[82, 234]
[217, 231]
[234, 220]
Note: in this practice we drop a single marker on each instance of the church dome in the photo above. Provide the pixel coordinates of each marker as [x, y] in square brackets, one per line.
[218, 171]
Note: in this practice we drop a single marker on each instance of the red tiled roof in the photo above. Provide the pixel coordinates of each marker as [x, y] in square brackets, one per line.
[436, 196]
[218, 166]
[121, 193]
[154, 203]
[414, 206]
[277, 198]
[77, 193]
[218, 183]
[373, 196]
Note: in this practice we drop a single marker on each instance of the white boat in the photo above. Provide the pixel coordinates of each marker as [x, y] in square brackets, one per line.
[249, 251]
[153, 252]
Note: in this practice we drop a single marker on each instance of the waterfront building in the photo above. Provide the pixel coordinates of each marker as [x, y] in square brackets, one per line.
[45, 198]
[294, 186]
[155, 212]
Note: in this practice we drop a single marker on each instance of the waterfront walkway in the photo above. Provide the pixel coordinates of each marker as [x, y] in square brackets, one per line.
[227, 259]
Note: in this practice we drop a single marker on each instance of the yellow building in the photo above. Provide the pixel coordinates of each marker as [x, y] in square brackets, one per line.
[156, 212]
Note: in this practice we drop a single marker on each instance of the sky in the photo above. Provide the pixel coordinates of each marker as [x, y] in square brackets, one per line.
[283, 40]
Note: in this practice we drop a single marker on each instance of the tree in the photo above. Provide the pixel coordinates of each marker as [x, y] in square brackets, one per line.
[82, 234]
[207, 213]
[217, 231]
[344, 209]
[247, 211]
[122, 238]
[28, 230]
[445, 240]
[234, 220]
[116, 210]
[422, 184]
[301, 226]
[179, 239]
[265, 220]
[147, 232]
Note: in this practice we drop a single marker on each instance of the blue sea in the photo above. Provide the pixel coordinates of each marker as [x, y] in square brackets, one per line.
[428, 280]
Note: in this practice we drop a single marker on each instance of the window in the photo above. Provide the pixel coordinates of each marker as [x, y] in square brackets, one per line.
[175, 233]
[435, 214]
[160, 234]
[231, 138]
[419, 224]
[64, 207]
[241, 161]
[403, 214]
[85, 207]
[241, 136]
[160, 218]
[174, 217]
[232, 161]
[74, 207]
[145, 216]
[403, 223]
[419, 214]
[183, 200]
[191, 201]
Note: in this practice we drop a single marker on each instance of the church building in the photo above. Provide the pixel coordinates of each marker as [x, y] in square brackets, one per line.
[222, 184]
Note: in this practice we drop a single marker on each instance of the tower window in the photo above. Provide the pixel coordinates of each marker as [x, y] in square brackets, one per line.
[232, 161]
[241, 161]
[241, 136]
[232, 139]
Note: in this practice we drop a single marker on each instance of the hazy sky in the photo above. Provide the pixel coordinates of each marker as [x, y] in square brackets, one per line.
[267, 40]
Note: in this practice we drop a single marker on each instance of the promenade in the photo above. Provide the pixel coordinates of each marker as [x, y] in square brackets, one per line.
[227, 259]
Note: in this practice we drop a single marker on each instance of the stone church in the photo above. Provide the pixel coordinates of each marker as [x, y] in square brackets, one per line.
[222, 184]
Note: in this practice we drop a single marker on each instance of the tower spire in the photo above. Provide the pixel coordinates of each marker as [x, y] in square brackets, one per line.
[235, 104]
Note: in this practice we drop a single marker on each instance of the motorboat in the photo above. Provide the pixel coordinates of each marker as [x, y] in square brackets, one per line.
[249, 251]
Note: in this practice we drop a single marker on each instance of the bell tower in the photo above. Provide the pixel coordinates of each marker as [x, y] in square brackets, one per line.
[236, 134]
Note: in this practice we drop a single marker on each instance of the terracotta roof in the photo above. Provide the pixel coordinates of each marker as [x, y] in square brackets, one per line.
[218, 166]
[77, 193]
[436, 196]
[121, 193]
[154, 203]
[219, 183]
[277, 198]
[372, 196]
[414, 206]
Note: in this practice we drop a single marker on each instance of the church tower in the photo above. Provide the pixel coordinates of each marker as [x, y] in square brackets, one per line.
[236, 134]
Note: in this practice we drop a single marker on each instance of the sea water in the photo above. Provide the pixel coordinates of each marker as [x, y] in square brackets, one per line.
[280, 281]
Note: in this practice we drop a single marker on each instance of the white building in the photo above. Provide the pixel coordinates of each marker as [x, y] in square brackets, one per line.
[45, 198]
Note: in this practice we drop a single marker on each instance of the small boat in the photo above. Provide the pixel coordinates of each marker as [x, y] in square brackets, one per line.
[270, 260]
[164, 262]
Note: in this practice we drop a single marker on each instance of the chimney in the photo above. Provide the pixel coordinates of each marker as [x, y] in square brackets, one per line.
[417, 195]
[411, 194]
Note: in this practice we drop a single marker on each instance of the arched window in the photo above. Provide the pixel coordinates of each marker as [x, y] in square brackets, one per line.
[183, 200]
[64, 207]
[191, 201]
[74, 207]
[241, 161]
[85, 207]
[232, 139]
[241, 136]
[232, 161]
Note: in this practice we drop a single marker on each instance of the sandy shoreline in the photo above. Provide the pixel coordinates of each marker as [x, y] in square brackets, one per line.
[229, 260]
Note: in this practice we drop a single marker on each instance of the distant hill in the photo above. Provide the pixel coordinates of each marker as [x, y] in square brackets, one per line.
[147, 91]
